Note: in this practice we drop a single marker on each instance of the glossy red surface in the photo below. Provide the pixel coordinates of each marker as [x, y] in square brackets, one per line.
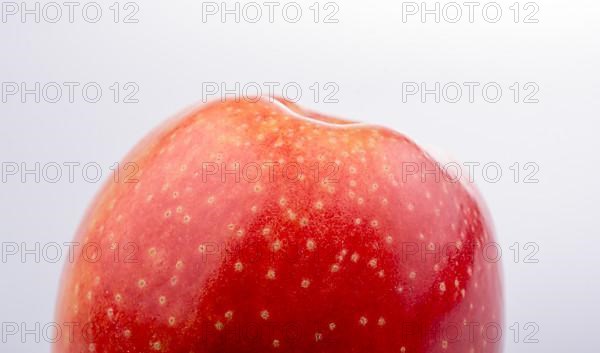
[339, 245]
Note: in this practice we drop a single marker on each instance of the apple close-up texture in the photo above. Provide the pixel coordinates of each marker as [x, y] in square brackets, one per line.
[258, 226]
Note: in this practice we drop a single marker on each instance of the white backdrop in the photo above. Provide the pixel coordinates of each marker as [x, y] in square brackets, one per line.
[366, 61]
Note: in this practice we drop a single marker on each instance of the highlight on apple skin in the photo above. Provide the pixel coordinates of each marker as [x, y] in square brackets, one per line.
[263, 227]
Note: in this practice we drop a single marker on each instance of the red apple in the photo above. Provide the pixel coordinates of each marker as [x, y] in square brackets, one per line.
[262, 227]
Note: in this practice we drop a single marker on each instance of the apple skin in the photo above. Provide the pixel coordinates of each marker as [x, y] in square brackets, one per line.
[361, 256]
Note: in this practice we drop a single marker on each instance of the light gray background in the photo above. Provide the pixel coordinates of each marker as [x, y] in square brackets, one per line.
[368, 54]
